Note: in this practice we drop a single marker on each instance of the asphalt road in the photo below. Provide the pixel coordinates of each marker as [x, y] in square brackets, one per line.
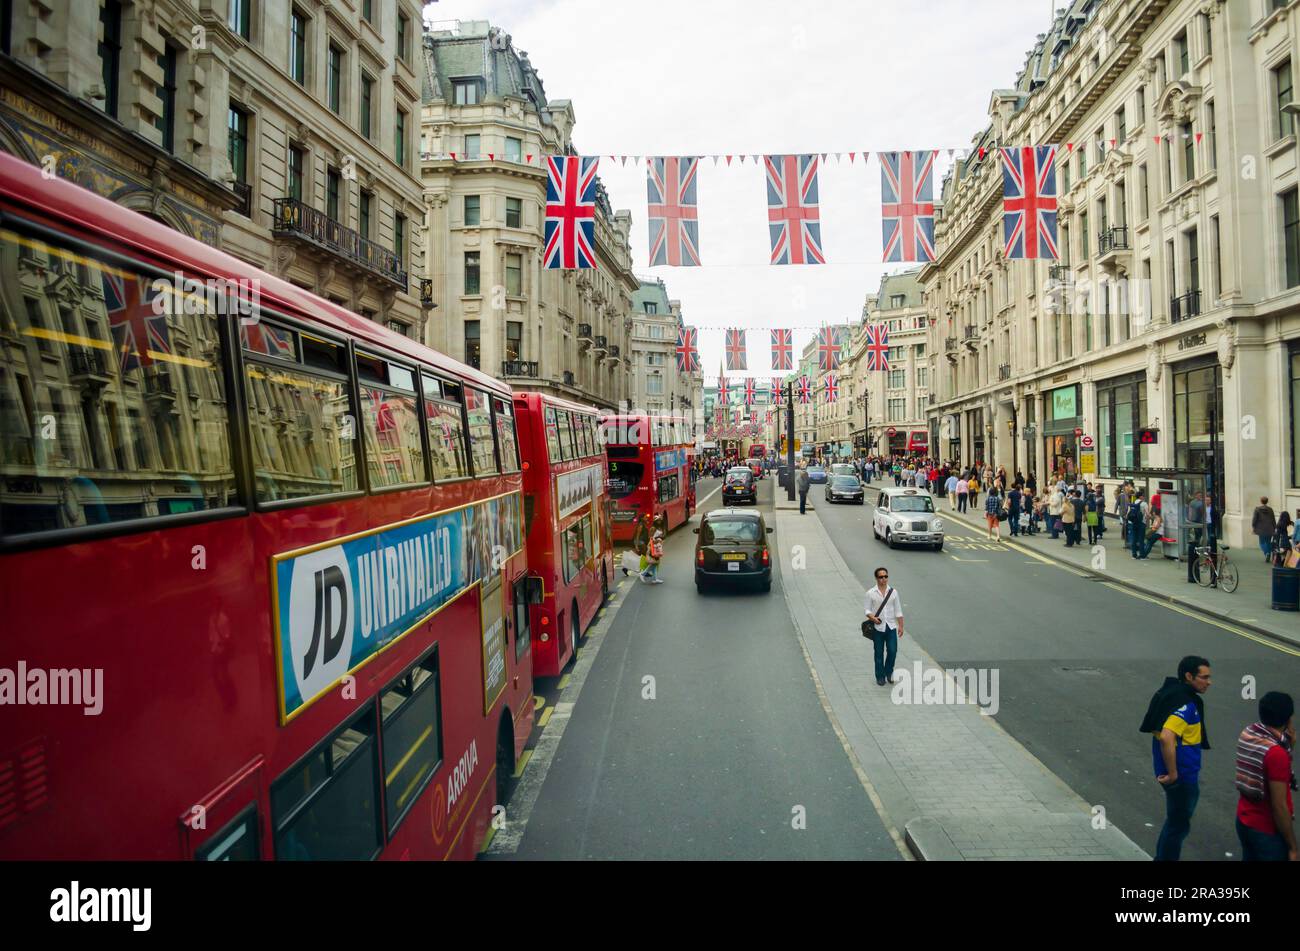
[1078, 662]
[732, 750]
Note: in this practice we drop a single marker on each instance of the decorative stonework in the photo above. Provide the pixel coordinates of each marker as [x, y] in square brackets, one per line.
[1177, 104]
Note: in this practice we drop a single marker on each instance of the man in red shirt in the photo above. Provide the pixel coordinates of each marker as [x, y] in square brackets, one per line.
[1264, 811]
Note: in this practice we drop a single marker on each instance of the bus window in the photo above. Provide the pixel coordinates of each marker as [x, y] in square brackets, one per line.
[324, 808]
[480, 432]
[391, 420]
[552, 435]
[446, 432]
[237, 841]
[301, 430]
[668, 488]
[577, 547]
[412, 712]
[566, 436]
[506, 436]
[154, 439]
[581, 436]
[624, 477]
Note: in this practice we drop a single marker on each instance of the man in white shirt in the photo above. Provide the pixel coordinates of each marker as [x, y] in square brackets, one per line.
[885, 614]
[951, 488]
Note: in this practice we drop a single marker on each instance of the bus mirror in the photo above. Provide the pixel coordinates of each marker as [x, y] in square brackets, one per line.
[534, 590]
[695, 530]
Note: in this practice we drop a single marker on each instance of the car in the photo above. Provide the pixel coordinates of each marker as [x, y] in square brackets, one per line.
[843, 468]
[845, 488]
[906, 516]
[732, 549]
[816, 475]
[739, 485]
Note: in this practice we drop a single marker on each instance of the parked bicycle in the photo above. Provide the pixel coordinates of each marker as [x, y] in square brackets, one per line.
[1215, 570]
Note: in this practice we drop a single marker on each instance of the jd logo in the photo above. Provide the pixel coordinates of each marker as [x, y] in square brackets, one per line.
[321, 609]
[328, 583]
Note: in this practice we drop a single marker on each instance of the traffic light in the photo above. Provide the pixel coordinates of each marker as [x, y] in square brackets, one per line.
[1148, 437]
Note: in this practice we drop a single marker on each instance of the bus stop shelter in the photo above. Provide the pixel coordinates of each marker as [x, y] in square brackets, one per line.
[1176, 488]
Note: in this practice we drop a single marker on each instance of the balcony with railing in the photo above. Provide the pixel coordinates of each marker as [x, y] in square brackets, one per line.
[1060, 273]
[1113, 246]
[568, 378]
[299, 220]
[970, 337]
[1004, 371]
[1185, 307]
[615, 352]
[600, 343]
[88, 366]
[525, 368]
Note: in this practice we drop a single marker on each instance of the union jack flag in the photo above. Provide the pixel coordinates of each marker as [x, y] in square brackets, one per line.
[723, 392]
[384, 419]
[769, 417]
[794, 225]
[264, 339]
[804, 389]
[570, 231]
[736, 349]
[776, 389]
[674, 230]
[750, 391]
[832, 388]
[137, 330]
[1029, 203]
[688, 356]
[782, 349]
[828, 349]
[907, 205]
[877, 346]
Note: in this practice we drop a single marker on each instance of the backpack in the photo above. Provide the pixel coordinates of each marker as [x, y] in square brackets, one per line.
[1252, 746]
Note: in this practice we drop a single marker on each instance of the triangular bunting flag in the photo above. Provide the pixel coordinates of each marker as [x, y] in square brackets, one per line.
[823, 156]
[981, 153]
[728, 159]
[453, 156]
[1198, 137]
[1112, 143]
[755, 158]
[742, 160]
[839, 156]
[624, 162]
[1070, 146]
[492, 157]
[951, 152]
[1157, 139]
[529, 158]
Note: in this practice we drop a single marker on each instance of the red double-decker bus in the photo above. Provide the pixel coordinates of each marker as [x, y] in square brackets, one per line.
[651, 470]
[567, 519]
[261, 559]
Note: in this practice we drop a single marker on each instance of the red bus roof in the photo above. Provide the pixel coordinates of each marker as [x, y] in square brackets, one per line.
[557, 401]
[22, 187]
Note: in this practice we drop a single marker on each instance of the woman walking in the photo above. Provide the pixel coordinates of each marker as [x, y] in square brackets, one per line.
[973, 489]
[1091, 516]
[993, 514]
[962, 491]
[1282, 538]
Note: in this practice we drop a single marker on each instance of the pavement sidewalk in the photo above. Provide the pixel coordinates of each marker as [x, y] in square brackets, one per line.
[1161, 577]
[956, 784]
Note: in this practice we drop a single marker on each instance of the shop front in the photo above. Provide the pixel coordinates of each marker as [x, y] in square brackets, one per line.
[1198, 397]
[1062, 417]
[975, 418]
[1121, 412]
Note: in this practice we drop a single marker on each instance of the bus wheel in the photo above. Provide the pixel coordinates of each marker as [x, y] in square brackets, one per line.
[505, 756]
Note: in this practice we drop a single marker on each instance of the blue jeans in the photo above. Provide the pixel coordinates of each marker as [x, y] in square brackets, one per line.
[1133, 539]
[1259, 846]
[1148, 544]
[1266, 545]
[803, 500]
[885, 661]
[1180, 803]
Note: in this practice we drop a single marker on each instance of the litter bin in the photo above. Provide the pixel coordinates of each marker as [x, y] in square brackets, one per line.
[1286, 589]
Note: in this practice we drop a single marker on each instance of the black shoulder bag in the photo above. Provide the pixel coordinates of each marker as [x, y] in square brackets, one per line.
[869, 629]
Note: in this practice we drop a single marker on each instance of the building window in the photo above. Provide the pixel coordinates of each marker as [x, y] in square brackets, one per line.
[166, 122]
[363, 212]
[922, 376]
[654, 385]
[399, 239]
[1291, 235]
[1282, 121]
[237, 142]
[1193, 261]
[471, 146]
[897, 379]
[1198, 392]
[1083, 235]
[514, 339]
[897, 410]
[514, 275]
[465, 92]
[514, 149]
[472, 337]
[1141, 104]
[1181, 55]
[471, 211]
[403, 37]
[1211, 139]
[333, 185]
[367, 100]
[110, 51]
[1295, 416]
[399, 139]
[297, 158]
[897, 300]
[471, 273]
[334, 80]
[1121, 124]
[1189, 153]
[1121, 411]
[514, 212]
[1207, 32]
[1216, 252]
[298, 48]
[650, 307]
[368, 10]
[239, 18]
[1167, 148]
[1144, 192]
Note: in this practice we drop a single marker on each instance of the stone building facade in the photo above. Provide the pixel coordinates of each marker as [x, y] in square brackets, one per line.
[1176, 299]
[485, 126]
[657, 386]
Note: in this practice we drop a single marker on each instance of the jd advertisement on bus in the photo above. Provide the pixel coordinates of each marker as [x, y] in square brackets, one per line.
[336, 605]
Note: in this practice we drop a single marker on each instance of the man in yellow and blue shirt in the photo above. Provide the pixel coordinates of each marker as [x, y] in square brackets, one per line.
[1176, 721]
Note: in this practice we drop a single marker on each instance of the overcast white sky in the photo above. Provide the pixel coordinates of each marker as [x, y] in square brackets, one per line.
[697, 77]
